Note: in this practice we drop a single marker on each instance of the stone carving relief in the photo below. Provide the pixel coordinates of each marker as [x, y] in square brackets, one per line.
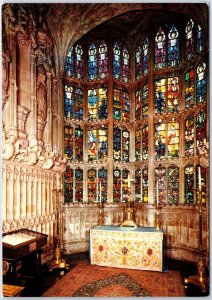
[5, 76]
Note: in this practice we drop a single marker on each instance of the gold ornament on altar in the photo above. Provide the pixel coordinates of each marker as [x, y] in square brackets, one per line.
[129, 210]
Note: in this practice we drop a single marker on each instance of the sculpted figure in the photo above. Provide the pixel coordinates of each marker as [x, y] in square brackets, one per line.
[9, 147]
[60, 164]
[48, 161]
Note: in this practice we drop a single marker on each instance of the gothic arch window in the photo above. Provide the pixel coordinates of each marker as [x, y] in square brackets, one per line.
[141, 59]
[73, 143]
[173, 184]
[74, 66]
[97, 60]
[73, 102]
[121, 62]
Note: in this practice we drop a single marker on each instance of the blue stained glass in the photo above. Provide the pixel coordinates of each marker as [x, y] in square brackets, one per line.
[92, 105]
[92, 62]
[69, 64]
[160, 49]
[189, 184]
[125, 66]
[145, 56]
[189, 39]
[138, 68]
[78, 103]
[69, 101]
[103, 60]
[116, 61]
[201, 83]
[199, 39]
[117, 144]
[102, 105]
[160, 92]
[173, 47]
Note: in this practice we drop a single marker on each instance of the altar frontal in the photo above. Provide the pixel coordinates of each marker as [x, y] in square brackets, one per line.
[124, 247]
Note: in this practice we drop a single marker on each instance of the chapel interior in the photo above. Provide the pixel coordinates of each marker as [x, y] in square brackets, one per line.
[104, 107]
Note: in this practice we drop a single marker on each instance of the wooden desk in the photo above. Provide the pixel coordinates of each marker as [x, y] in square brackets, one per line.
[125, 247]
[12, 290]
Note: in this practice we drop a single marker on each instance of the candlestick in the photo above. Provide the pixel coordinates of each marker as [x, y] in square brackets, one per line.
[199, 178]
[157, 193]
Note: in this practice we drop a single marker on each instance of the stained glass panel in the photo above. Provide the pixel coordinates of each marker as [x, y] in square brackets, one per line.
[201, 130]
[145, 101]
[145, 56]
[160, 139]
[102, 144]
[173, 94]
[102, 103]
[79, 67]
[78, 143]
[189, 136]
[116, 61]
[189, 184]
[173, 139]
[138, 145]
[160, 185]
[117, 104]
[92, 185]
[138, 68]
[145, 144]
[145, 185]
[201, 83]
[199, 39]
[203, 183]
[78, 102]
[189, 46]
[92, 105]
[125, 106]
[92, 145]
[116, 185]
[103, 60]
[160, 49]
[138, 105]
[102, 175]
[173, 185]
[160, 95]
[125, 173]
[69, 64]
[92, 61]
[69, 101]
[68, 184]
[189, 88]
[138, 185]
[68, 140]
[117, 144]
[173, 47]
[125, 145]
[126, 65]
[79, 185]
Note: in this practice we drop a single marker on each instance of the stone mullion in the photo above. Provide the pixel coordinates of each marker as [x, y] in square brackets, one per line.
[23, 192]
[12, 109]
[55, 116]
[110, 124]
[34, 192]
[60, 105]
[49, 112]
[10, 193]
[29, 193]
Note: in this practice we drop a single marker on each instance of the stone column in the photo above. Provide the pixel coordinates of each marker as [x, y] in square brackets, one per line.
[48, 141]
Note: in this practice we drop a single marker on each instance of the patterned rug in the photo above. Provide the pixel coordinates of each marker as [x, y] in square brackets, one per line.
[94, 281]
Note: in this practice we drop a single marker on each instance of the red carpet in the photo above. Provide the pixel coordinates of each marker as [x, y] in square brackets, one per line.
[93, 281]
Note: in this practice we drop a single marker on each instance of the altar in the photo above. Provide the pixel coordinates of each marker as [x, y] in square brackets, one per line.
[125, 247]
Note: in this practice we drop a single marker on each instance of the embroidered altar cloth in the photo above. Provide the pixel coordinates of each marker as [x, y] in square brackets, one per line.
[125, 247]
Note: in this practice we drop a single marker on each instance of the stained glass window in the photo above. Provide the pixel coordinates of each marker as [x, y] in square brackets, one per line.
[189, 88]
[199, 39]
[189, 136]
[160, 95]
[78, 62]
[92, 145]
[138, 104]
[103, 60]
[126, 65]
[69, 143]
[69, 64]
[117, 144]
[173, 46]
[173, 94]
[173, 139]
[160, 139]
[201, 131]
[173, 185]
[73, 102]
[97, 144]
[97, 104]
[92, 61]
[138, 145]
[138, 62]
[92, 105]
[138, 185]
[203, 183]
[145, 185]
[201, 83]
[116, 61]
[121, 105]
[125, 145]
[145, 144]
[160, 49]
[92, 180]
[145, 101]
[160, 185]
[145, 56]
[189, 46]
[116, 185]
[102, 144]
[189, 184]
[79, 185]
[102, 177]
[78, 143]
[68, 184]
[125, 173]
